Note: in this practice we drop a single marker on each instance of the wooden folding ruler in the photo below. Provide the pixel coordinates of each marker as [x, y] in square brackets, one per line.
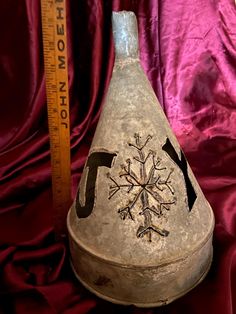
[53, 14]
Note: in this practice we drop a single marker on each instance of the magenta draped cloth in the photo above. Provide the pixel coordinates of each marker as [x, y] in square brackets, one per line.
[188, 51]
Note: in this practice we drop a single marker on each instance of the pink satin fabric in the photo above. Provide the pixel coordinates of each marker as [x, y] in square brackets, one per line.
[188, 51]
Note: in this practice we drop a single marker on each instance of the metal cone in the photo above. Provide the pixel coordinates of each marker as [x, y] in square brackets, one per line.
[140, 228]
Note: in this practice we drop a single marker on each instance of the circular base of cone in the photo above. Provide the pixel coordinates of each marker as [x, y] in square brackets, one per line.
[139, 285]
[143, 305]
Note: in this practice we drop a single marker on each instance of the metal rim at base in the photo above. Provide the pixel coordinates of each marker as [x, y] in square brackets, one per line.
[154, 304]
[107, 261]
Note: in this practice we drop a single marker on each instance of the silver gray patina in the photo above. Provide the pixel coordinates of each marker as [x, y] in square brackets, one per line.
[140, 228]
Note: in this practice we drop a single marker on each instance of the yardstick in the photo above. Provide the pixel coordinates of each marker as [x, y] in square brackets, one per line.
[53, 14]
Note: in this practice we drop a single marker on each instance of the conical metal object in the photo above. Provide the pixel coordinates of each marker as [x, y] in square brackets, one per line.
[140, 228]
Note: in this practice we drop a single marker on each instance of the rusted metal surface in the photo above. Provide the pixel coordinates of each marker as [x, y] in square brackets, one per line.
[140, 228]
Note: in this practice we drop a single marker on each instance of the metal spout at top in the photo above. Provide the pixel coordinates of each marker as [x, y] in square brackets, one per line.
[125, 34]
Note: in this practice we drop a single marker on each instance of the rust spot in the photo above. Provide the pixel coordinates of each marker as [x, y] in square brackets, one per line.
[103, 281]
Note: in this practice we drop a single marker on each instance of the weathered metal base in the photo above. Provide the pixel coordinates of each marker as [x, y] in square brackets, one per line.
[146, 305]
[132, 284]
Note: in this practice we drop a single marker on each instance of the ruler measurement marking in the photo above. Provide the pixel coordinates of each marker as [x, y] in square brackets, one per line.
[55, 59]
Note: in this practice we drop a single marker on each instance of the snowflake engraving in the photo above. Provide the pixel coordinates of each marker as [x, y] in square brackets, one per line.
[148, 188]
